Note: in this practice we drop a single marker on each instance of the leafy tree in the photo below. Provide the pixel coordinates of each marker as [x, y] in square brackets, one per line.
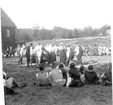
[70, 35]
[37, 33]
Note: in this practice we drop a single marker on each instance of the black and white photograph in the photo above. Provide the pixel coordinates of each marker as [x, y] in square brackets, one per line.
[56, 52]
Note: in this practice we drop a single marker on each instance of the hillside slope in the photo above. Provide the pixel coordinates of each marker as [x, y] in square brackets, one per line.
[81, 41]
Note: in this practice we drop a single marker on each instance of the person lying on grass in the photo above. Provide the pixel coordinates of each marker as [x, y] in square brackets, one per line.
[107, 76]
[91, 76]
[7, 89]
[75, 76]
[43, 77]
[10, 83]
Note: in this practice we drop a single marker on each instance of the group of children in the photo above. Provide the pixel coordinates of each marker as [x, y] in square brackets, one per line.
[62, 76]
[72, 76]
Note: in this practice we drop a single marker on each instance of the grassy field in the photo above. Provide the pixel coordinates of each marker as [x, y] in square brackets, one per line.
[79, 41]
[34, 95]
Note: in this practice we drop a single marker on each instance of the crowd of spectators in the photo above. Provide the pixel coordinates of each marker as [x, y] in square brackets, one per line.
[96, 50]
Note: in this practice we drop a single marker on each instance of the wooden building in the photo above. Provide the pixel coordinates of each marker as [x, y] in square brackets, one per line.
[8, 31]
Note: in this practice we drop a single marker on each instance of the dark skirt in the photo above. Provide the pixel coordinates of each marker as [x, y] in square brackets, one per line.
[52, 57]
[63, 57]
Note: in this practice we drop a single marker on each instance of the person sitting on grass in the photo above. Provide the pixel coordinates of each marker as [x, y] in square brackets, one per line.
[82, 70]
[91, 76]
[43, 77]
[56, 77]
[75, 75]
[64, 72]
[10, 83]
[47, 66]
[107, 76]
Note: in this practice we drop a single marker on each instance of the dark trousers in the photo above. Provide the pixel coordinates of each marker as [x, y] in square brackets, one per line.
[20, 60]
[8, 91]
[76, 83]
[70, 58]
[28, 61]
[93, 80]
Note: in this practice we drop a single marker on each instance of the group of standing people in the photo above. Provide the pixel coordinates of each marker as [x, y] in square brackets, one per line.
[53, 53]
[49, 53]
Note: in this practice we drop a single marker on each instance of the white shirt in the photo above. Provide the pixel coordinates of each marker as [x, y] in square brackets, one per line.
[68, 52]
[38, 50]
[37, 75]
[31, 51]
[76, 50]
[49, 48]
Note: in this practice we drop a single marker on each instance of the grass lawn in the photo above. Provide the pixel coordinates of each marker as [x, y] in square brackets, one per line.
[34, 95]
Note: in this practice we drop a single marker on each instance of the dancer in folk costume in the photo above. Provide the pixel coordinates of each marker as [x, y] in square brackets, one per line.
[76, 51]
[44, 55]
[21, 52]
[38, 53]
[29, 53]
[67, 51]
[52, 56]
[71, 54]
[33, 58]
[63, 57]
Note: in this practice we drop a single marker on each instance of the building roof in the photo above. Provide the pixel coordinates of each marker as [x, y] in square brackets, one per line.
[5, 20]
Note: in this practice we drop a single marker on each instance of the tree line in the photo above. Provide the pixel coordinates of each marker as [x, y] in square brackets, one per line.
[37, 33]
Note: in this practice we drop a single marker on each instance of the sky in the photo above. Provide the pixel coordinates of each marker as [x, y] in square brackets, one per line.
[64, 13]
